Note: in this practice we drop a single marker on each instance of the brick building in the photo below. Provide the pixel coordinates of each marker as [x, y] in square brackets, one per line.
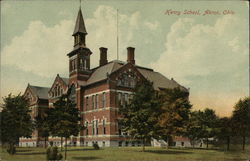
[97, 92]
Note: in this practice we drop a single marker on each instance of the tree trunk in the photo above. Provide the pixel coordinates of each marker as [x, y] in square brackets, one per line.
[143, 146]
[45, 145]
[243, 143]
[207, 142]
[61, 143]
[169, 140]
[228, 142]
[65, 150]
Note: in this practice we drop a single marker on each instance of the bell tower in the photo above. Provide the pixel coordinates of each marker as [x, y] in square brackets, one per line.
[79, 57]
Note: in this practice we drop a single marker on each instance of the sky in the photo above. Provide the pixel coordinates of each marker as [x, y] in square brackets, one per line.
[203, 45]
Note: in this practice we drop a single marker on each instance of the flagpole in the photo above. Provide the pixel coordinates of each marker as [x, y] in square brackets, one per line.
[117, 40]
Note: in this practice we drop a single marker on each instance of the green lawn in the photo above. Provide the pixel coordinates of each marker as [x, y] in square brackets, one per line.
[131, 154]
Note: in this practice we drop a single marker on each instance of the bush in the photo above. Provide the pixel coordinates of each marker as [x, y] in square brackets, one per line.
[96, 146]
[11, 150]
[53, 154]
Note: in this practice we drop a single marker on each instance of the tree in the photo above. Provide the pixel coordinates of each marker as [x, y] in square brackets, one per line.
[209, 123]
[241, 119]
[139, 117]
[225, 130]
[16, 121]
[175, 111]
[194, 128]
[64, 119]
[202, 124]
[42, 125]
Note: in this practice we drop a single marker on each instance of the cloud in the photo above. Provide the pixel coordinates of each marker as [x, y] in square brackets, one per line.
[151, 26]
[210, 59]
[42, 49]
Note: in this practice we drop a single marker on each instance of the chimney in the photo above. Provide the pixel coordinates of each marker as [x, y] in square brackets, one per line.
[131, 55]
[103, 56]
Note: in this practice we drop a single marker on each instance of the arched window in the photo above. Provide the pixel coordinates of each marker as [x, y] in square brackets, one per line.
[103, 99]
[72, 95]
[85, 64]
[81, 64]
[104, 126]
[58, 90]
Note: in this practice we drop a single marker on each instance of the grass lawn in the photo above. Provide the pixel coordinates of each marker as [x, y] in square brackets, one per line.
[130, 154]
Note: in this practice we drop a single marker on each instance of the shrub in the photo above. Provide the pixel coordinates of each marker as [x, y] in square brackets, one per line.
[53, 154]
[96, 146]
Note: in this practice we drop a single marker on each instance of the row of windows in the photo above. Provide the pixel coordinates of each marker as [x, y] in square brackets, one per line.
[124, 98]
[95, 127]
[57, 91]
[96, 102]
[101, 100]
[127, 80]
[82, 64]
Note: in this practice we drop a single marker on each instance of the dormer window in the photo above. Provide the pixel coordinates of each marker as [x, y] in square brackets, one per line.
[127, 80]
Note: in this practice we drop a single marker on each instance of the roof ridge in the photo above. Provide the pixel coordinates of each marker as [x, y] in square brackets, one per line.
[37, 86]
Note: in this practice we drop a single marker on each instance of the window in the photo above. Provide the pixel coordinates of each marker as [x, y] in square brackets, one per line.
[96, 126]
[104, 127]
[120, 143]
[87, 128]
[93, 102]
[126, 143]
[72, 65]
[119, 128]
[103, 144]
[81, 64]
[126, 98]
[85, 64]
[104, 99]
[72, 95]
[182, 143]
[130, 98]
[96, 101]
[123, 99]
[93, 127]
[87, 103]
[58, 90]
[119, 98]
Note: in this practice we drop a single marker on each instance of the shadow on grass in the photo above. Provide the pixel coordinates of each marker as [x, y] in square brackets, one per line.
[23, 150]
[86, 158]
[31, 153]
[168, 152]
[82, 149]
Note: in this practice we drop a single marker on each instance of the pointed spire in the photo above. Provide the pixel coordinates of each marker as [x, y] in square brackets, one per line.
[80, 26]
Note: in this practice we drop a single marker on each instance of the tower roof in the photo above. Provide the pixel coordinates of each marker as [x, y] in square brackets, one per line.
[80, 26]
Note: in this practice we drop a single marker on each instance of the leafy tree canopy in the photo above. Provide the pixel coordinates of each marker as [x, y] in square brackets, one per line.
[16, 121]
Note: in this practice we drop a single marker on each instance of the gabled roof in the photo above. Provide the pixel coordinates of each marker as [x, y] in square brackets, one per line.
[80, 25]
[58, 77]
[101, 72]
[159, 80]
[40, 92]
